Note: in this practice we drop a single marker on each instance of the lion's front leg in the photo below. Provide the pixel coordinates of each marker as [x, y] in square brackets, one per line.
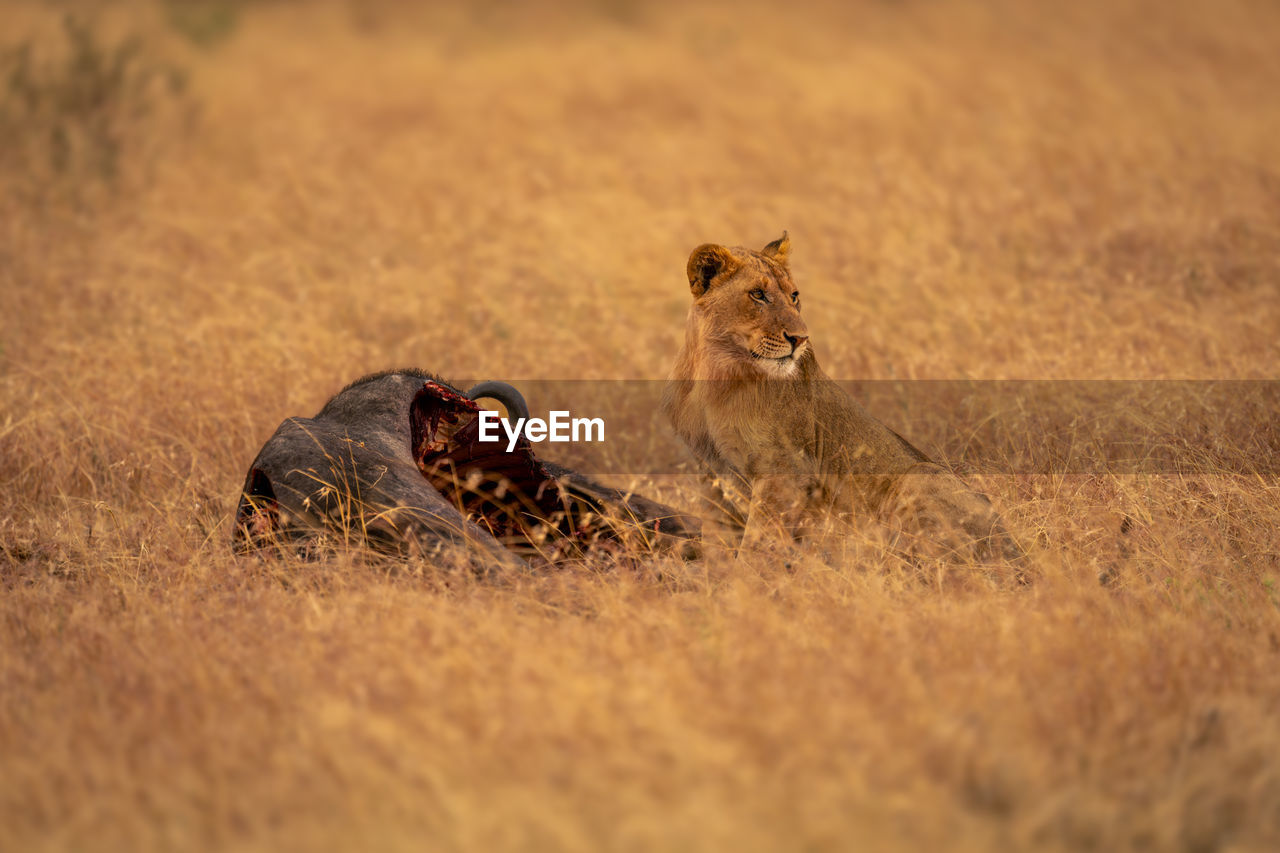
[777, 513]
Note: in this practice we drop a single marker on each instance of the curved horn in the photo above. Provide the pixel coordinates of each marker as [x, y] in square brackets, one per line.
[504, 394]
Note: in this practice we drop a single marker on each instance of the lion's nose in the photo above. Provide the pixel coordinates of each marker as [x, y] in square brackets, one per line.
[795, 340]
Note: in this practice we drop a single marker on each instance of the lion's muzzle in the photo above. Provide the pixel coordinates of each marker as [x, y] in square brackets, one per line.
[780, 346]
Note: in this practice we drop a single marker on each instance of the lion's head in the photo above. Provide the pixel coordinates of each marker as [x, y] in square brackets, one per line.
[746, 309]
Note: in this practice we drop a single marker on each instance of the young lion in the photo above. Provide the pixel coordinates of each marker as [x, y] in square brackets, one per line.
[787, 450]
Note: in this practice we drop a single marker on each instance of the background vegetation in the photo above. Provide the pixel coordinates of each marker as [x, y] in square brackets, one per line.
[214, 215]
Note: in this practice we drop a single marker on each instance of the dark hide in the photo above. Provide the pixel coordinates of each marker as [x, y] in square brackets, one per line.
[394, 462]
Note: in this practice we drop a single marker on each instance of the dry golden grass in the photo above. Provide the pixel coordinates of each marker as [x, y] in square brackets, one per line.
[1002, 190]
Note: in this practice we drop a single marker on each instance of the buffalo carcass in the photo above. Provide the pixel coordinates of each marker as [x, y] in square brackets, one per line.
[394, 462]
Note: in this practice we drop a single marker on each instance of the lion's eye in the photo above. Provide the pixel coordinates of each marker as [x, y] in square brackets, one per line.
[757, 295]
[795, 298]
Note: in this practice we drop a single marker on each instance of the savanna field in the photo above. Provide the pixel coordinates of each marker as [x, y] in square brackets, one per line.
[214, 215]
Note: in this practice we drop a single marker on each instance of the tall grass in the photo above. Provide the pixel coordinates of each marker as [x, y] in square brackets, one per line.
[973, 191]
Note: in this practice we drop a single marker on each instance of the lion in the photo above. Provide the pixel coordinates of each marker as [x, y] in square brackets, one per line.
[789, 454]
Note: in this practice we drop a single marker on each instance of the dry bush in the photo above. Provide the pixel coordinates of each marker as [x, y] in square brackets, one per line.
[81, 114]
[986, 191]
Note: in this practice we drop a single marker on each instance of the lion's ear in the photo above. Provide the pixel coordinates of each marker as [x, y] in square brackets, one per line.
[705, 263]
[779, 249]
